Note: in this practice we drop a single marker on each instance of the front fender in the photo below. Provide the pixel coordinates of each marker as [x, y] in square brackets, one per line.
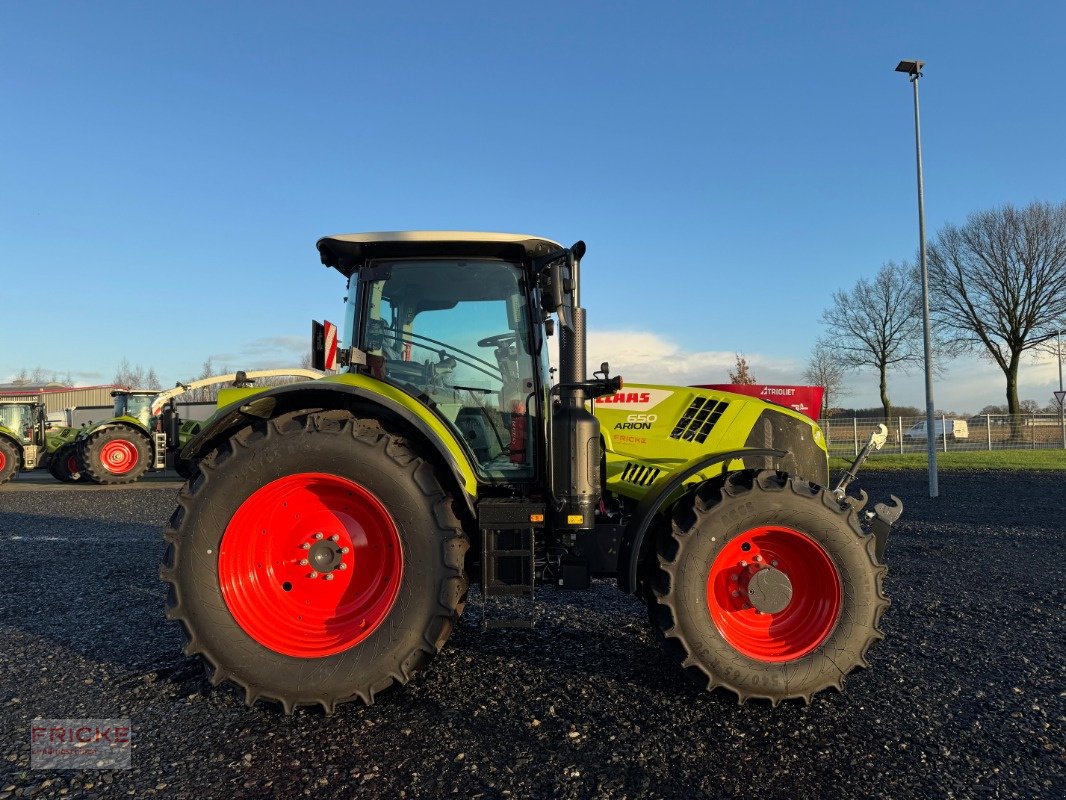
[632, 545]
[337, 392]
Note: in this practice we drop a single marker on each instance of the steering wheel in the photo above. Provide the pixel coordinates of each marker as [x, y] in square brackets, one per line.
[501, 338]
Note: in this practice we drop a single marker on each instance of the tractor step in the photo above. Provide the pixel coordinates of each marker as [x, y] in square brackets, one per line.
[160, 441]
[508, 562]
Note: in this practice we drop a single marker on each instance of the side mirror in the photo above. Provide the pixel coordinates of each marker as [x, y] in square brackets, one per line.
[555, 287]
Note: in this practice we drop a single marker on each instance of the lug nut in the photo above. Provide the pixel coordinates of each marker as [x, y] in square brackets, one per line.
[758, 558]
[329, 576]
[305, 546]
[344, 549]
[343, 565]
[335, 537]
[314, 574]
[318, 535]
[736, 593]
[743, 563]
[304, 562]
[773, 563]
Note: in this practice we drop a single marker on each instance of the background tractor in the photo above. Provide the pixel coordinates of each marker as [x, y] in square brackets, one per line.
[323, 552]
[145, 428]
[23, 444]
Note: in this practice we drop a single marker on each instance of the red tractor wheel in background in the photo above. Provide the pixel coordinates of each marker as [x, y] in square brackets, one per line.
[115, 454]
[10, 460]
[64, 465]
[767, 587]
[315, 560]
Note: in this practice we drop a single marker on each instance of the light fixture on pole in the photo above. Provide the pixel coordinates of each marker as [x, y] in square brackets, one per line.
[914, 70]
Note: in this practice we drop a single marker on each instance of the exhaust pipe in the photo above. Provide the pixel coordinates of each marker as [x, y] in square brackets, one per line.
[575, 432]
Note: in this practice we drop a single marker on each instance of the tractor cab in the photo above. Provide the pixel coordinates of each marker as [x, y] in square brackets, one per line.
[455, 329]
[19, 418]
[135, 404]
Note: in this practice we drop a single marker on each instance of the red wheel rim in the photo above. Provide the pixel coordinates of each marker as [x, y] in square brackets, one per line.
[809, 616]
[119, 456]
[3, 460]
[72, 465]
[310, 565]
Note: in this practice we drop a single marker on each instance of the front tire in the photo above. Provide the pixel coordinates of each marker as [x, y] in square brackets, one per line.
[115, 455]
[315, 560]
[64, 465]
[766, 587]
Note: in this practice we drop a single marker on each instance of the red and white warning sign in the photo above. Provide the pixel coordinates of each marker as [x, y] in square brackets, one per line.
[804, 399]
[331, 345]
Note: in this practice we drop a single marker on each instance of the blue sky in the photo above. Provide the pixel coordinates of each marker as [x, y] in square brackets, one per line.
[165, 169]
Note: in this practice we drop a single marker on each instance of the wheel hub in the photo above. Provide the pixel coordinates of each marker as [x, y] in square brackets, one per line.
[325, 556]
[770, 590]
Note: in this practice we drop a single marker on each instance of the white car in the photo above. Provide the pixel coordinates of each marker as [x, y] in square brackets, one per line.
[955, 428]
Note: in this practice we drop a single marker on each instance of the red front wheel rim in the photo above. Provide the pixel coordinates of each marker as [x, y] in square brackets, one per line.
[3, 460]
[310, 565]
[119, 456]
[72, 465]
[808, 616]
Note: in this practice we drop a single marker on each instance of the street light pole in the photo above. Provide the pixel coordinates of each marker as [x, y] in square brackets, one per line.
[1061, 396]
[914, 70]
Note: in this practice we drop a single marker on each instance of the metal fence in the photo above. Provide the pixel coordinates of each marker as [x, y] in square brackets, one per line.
[847, 435]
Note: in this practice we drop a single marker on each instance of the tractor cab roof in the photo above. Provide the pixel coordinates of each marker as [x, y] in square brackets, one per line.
[349, 252]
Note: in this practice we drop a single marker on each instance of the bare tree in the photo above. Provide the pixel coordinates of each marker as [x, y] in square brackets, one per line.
[741, 374]
[41, 376]
[877, 325]
[826, 370]
[129, 375]
[998, 283]
[136, 377]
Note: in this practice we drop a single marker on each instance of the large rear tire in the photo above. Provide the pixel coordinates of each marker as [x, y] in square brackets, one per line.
[10, 460]
[766, 587]
[114, 455]
[315, 560]
[64, 465]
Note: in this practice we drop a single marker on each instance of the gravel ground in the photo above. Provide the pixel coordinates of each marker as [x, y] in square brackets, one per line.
[965, 697]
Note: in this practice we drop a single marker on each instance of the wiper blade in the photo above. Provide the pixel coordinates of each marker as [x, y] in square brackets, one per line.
[472, 389]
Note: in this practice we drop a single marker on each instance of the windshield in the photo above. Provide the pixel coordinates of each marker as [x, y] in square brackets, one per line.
[457, 334]
[16, 418]
[138, 406]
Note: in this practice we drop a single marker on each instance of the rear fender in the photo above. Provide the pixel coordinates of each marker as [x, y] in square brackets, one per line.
[345, 391]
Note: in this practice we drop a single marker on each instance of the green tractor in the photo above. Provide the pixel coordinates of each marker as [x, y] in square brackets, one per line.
[23, 443]
[63, 461]
[123, 448]
[145, 428]
[324, 549]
